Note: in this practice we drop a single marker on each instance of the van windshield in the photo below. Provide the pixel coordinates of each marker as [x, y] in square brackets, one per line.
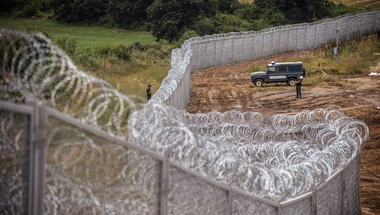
[270, 69]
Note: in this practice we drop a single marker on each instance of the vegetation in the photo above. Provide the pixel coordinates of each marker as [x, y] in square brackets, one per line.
[355, 58]
[171, 19]
[109, 38]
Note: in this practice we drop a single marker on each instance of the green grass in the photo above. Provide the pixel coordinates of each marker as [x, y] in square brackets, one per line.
[88, 36]
[360, 4]
[129, 77]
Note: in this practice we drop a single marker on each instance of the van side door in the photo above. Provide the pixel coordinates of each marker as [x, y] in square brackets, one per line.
[295, 70]
[271, 74]
[282, 73]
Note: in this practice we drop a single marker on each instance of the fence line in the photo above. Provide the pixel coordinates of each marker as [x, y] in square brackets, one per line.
[64, 150]
[200, 53]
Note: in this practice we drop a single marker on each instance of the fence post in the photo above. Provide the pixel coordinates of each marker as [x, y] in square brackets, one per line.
[314, 203]
[243, 50]
[342, 188]
[271, 43]
[37, 149]
[253, 47]
[233, 49]
[296, 39]
[222, 52]
[315, 37]
[215, 53]
[163, 185]
[325, 33]
[229, 199]
[198, 56]
[279, 43]
[288, 49]
[27, 165]
[262, 45]
[361, 24]
[375, 21]
[305, 46]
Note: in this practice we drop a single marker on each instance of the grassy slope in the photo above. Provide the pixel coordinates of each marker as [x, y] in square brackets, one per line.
[87, 36]
[128, 77]
[360, 4]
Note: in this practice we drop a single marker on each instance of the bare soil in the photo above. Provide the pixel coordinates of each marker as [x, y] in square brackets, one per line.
[229, 88]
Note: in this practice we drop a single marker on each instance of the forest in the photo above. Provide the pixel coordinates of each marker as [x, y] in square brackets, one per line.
[173, 20]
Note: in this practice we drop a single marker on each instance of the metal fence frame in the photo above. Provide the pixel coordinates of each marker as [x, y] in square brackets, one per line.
[35, 180]
[38, 114]
[224, 49]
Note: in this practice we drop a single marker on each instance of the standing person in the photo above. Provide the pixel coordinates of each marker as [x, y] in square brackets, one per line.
[298, 86]
[148, 92]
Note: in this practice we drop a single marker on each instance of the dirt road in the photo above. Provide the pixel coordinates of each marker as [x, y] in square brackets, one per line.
[229, 88]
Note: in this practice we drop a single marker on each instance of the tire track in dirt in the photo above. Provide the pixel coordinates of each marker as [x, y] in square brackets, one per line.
[229, 88]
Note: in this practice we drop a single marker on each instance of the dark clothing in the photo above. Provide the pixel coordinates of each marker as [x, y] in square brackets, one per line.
[148, 94]
[378, 34]
[299, 84]
[298, 88]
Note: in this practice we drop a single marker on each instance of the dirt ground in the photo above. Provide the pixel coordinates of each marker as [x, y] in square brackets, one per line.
[229, 88]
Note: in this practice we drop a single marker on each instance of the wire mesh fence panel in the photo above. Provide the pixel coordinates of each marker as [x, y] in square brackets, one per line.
[258, 46]
[310, 37]
[248, 48]
[343, 29]
[377, 21]
[331, 31]
[301, 207]
[355, 27]
[242, 205]
[238, 49]
[276, 42]
[267, 47]
[301, 39]
[87, 174]
[368, 23]
[227, 51]
[219, 53]
[14, 163]
[351, 195]
[329, 197]
[292, 40]
[284, 39]
[191, 195]
[202, 55]
[211, 54]
[320, 34]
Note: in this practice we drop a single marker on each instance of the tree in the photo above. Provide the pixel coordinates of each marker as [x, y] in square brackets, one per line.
[79, 10]
[127, 12]
[168, 19]
[228, 6]
[296, 11]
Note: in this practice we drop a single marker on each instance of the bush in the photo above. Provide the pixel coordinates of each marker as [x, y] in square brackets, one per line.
[204, 27]
[121, 51]
[67, 44]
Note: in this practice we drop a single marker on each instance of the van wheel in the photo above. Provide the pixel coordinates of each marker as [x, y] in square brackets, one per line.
[258, 83]
[291, 82]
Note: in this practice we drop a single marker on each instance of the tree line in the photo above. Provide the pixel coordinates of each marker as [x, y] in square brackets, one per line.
[174, 19]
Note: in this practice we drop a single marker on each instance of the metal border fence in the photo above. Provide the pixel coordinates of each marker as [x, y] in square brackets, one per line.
[339, 194]
[200, 53]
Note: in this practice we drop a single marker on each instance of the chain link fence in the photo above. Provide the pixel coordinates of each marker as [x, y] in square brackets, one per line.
[72, 144]
[200, 53]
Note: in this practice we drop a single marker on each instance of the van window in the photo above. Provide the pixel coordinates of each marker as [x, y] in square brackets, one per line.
[295, 68]
[282, 69]
[271, 69]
